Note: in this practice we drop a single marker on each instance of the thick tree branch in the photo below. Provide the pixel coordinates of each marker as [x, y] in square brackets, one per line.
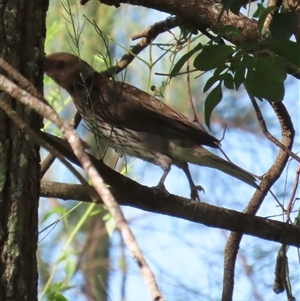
[128, 192]
[203, 14]
[198, 212]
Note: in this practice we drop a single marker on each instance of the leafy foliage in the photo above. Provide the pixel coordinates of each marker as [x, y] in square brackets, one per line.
[232, 5]
[262, 68]
[212, 56]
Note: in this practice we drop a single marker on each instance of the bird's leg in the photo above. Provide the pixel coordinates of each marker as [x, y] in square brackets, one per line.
[194, 188]
[161, 183]
[165, 163]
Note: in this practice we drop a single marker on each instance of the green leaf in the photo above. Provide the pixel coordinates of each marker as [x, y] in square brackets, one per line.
[110, 224]
[70, 267]
[263, 16]
[239, 76]
[228, 81]
[220, 69]
[53, 296]
[235, 63]
[212, 57]
[230, 30]
[183, 59]
[210, 82]
[286, 49]
[281, 26]
[233, 5]
[188, 28]
[212, 100]
[265, 79]
[236, 6]
[275, 67]
[259, 10]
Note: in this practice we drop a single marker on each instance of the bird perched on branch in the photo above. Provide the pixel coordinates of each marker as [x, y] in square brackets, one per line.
[137, 124]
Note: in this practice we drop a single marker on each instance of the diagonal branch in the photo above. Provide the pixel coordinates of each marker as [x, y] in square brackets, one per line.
[270, 178]
[71, 136]
[148, 35]
[267, 133]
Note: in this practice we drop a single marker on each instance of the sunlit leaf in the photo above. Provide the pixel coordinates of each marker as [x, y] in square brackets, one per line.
[110, 223]
[259, 10]
[56, 297]
[70, 267]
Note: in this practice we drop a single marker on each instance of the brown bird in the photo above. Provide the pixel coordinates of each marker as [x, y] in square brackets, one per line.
[137, 124]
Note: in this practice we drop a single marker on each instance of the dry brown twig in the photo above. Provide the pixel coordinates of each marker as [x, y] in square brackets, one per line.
[293, 195]
[148, 35]
[189, 85]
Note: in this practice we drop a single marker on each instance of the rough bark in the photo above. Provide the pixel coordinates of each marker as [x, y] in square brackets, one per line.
[203, 14]
[22, 34]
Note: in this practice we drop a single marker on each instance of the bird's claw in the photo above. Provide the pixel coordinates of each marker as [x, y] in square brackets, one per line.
[194, 192]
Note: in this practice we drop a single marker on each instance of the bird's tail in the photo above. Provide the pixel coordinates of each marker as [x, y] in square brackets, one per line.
[201, 156]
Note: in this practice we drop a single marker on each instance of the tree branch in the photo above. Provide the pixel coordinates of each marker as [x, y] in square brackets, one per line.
[148, 35]
[128, 192]
[270, 178]
[203, 14]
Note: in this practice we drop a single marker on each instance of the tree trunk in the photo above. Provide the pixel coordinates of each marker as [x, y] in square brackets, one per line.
[22, 34]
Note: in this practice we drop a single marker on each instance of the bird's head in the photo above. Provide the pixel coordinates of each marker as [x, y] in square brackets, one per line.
[67, 70]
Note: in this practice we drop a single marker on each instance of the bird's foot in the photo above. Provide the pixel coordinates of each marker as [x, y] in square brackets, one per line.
[194, 192]
[162, 188]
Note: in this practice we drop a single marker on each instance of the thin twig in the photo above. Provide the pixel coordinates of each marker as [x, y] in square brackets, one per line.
[188, 79]
[293, 194]
[148, 34]
[267, 133]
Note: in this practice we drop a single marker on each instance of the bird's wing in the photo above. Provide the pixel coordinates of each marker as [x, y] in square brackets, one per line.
[135, 109]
